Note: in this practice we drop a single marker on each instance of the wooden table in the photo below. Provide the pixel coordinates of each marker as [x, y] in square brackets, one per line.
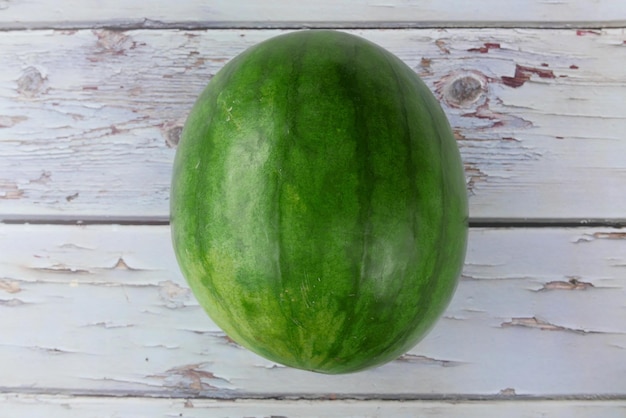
[95, 317]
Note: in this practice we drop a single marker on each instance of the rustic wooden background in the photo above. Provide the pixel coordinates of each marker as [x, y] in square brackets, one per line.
[97, 321]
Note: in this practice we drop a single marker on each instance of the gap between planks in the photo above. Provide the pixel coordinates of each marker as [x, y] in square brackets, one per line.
[506, 395]
[473, 222]
[151, 24]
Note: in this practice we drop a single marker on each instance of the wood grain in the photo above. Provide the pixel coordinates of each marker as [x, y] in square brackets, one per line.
[103, 310]
[89, 119]
[96, 320]
[72, 407]
[325, 13]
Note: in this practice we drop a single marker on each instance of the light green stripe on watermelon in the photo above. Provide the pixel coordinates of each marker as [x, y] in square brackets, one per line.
[318, 204]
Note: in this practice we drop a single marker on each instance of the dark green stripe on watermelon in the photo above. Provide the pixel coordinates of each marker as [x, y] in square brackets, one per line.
[318, 203]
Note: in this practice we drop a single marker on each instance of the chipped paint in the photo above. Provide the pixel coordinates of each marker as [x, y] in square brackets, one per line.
[173, 295]
[10, 286]
[425, 63]
[610, 235]
[52, 350]
[113, 42]
[601, 235]
[523, 74]
[63, 268]
[425, 360]
[535, 323]
[486, 47]
[121, 264]
[193, 377]
[10, 190]
[574, 283]
[474, 176]
[499, 119]
[586, 32]
[441, 44]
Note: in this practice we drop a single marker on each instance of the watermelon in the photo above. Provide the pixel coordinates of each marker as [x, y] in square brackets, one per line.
[318, 203]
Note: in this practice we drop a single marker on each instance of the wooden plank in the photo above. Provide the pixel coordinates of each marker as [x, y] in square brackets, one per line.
[89, 120]
[103, 310]
[71, 407]
[250, 13]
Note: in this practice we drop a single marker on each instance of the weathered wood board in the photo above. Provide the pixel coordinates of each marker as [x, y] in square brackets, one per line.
[68, 407]
[324, 13]
[104, 310]
[89, 119]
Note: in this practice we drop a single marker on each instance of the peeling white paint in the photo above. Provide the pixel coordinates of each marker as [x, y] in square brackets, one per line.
[118, 100]
[121, 329]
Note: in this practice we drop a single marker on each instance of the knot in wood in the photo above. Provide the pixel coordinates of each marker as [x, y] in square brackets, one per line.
[31, 83]
[172, 136]
[464, 90]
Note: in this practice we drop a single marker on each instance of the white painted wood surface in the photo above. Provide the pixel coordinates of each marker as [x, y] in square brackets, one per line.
[103, 310]
[68, 407]
[252, 13]
[89, 119]
[96, 320]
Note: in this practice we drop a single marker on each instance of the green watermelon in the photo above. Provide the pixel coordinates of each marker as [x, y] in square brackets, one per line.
[318, 202]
